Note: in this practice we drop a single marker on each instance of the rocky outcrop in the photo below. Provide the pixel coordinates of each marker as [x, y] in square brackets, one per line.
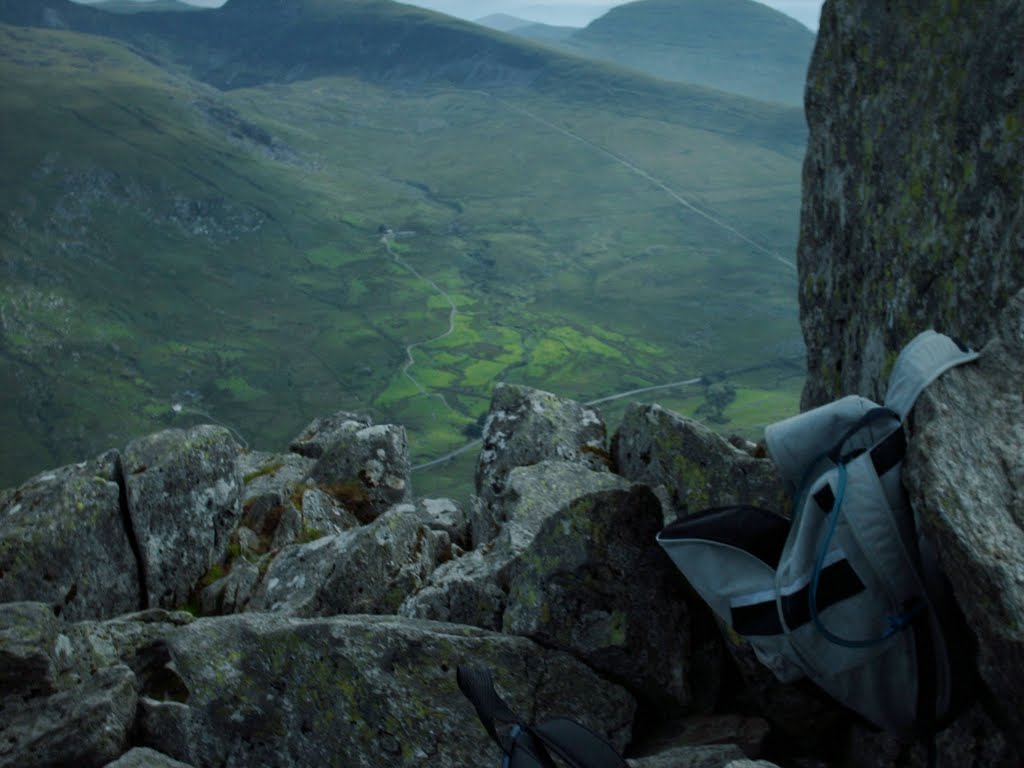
[697, 467]
[526, 426]
[370, 569]
[913, 200]
[183, 501]
[63, 542]
[359, 691]
[965, 476]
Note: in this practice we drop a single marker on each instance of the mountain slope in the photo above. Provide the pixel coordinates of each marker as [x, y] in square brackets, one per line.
[173, 253]
[250, 42]
[739, 46]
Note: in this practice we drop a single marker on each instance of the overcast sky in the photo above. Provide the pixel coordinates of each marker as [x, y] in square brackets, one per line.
[575, 13]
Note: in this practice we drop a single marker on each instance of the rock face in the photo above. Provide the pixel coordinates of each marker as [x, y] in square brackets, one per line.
[697, 467]
[965, 476]
[183, 498]
[63, 542]
[913, 202]
[358, 691]
[526, 426]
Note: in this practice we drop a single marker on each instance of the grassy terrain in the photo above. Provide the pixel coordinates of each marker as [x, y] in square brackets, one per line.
[174, 254]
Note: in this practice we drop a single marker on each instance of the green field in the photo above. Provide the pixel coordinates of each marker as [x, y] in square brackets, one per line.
[167, 244]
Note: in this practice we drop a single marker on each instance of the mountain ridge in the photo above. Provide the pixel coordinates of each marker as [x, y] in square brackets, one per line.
[250, 42]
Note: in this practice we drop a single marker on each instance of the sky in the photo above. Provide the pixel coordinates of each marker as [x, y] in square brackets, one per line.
[576, 13]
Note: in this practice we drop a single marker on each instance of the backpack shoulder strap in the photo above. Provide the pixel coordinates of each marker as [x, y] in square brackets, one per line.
[923, 360]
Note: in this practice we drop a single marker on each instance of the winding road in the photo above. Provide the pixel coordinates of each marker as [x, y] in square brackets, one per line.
[386, 238]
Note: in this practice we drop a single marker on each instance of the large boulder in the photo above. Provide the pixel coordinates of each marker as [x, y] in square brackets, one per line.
[473, 589]
[965, 475]
[697, 467]
[913, 199]
[526, 426]
[183, 493]
[87, 725]
[575, 550]
[63, 542]
[370, 569]
[359, 691]
[366, 468]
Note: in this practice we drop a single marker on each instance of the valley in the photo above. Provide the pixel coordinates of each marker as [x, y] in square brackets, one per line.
[175, 253]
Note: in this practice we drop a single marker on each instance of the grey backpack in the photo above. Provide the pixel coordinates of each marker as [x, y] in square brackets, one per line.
[847, 592]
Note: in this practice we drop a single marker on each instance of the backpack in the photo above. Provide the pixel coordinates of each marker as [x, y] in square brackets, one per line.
[527, 746]
[848, 592]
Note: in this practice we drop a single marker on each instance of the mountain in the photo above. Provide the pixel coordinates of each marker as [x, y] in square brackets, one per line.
[149, 6]
[531, 30]
[739, 46]
[232, 216]
[503, 22]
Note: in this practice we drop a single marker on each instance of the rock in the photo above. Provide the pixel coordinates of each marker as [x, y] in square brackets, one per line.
[84, 726]
[272, 497]
[231, 594]
[183, 494]
[28, 634]
[748, 734]
[132, 640]
[449, 516]
[913, 199]
[526, 426]
[371, 569]
[281, 506]
[143, 757]
[574, 547]
[359, 691]
[972, 741]
[63, 542]
[699, 468]
[691, 757]
[366, 469]
[578, 587]
[326, 431]
[964, 472]
[473, 588]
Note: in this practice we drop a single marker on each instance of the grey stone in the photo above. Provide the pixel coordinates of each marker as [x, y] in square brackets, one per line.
[322, 515]
[84, 726]
[133, 640]
[449, 516]
[964, 472]
[698, 468]
[691, 757]
[576, 588]
[184, 497]
[971, 741]
[143, 757]
[63, 542]
[28, 635]
[230, 594]
[371, 569]
[325, 431]
[913, 198]
[281, 505]
[359, 691]
[564, 569]
[526, 426]
[747, 734]
[472, 589]
[367, 469]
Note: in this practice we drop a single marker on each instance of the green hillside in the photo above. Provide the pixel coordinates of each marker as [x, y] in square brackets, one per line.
[174, 253]
[739, 46]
